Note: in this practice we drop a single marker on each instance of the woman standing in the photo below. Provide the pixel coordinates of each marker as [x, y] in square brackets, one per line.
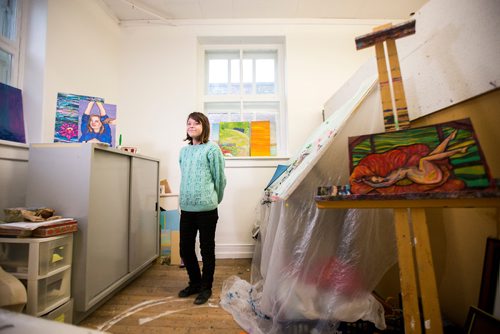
[202, 188]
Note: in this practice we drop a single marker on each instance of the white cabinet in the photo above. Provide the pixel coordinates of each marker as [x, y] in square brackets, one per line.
[113, 195]
[43, 265]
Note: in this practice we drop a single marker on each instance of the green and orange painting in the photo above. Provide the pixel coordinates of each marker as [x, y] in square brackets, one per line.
[234, 138]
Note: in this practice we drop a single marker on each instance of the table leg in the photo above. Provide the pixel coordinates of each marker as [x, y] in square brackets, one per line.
[407, 275]
[426, 277]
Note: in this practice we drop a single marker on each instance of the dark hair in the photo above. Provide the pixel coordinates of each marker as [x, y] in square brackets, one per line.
[205, 123]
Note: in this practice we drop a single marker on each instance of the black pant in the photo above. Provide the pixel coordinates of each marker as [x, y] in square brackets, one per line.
[205, 222]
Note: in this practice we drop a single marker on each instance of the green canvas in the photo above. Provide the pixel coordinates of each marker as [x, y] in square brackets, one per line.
[234, 139]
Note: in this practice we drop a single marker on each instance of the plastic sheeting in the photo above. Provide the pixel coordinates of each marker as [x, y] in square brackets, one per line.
[313, 269]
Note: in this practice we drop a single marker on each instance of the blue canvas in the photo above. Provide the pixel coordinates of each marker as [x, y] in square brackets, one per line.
[11, 114]
[280, 169]
[173, 220]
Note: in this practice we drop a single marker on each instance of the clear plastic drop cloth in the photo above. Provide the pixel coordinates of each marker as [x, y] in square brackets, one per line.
[315, 268]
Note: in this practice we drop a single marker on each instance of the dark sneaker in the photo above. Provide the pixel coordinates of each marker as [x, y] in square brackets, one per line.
[203, 297]
[190, 290]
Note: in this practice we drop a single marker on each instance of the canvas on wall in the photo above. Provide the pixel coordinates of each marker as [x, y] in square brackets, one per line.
[234, 138]
[260, 140]
[66, 124]
[444, 157]
[11, 114]
[97, 122]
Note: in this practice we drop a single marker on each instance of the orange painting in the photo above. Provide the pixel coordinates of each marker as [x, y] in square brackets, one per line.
[260, 140]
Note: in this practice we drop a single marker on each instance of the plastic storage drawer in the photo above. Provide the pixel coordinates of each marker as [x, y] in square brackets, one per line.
[47, 293]
[55, 254]
[63, 313]
[14, 257]
[48, 254]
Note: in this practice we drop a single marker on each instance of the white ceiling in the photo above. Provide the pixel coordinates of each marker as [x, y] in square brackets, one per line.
[171, 10]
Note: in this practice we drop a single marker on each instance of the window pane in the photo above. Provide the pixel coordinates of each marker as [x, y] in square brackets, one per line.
[5, 67]
[235, 76]
[243, 84]
[8, 18]
[247, 76]
[265, 76]
[235, 71]
[218, 74]
[264, 71]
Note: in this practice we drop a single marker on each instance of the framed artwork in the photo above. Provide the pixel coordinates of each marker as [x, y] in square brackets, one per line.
[444, 157]
[481, 322]
[11, 114]
[66, 125]
[97, 122]
[489, 294]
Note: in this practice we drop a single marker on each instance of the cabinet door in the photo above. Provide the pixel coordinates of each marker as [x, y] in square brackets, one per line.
[144, 223]
[107, 239]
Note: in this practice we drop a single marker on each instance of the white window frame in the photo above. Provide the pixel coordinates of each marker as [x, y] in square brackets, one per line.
[279, 97]
[13, 47]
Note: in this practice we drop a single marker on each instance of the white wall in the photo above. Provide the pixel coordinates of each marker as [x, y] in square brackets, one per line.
[158, 89]
[150, 71]
[82, 53]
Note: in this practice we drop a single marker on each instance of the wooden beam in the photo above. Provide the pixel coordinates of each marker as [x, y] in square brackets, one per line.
[379, 36]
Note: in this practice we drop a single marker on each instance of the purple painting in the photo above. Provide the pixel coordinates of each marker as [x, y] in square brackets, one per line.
[97, 122]
[11, 114]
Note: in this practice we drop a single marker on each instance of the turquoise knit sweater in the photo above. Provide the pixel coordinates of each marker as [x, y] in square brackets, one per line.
[202, 177]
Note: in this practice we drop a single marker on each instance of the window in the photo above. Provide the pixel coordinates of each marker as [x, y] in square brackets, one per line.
[243, 96]
[9, 41]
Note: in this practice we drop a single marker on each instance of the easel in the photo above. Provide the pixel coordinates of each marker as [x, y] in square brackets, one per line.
[395, 118]
[416, 270]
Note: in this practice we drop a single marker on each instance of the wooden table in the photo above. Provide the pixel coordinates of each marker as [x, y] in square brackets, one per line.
[416, 277]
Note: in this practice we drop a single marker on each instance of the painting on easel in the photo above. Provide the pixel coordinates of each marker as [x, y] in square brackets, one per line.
[440, 158]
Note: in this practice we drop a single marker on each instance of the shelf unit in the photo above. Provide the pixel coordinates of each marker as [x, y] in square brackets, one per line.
[114, 197]
[43, 265]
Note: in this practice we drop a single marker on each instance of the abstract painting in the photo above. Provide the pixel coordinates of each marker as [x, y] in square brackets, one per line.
[66, 125]
[260, 140]
[440, 158]
[97, 122]
[234, 138]
[11, 114]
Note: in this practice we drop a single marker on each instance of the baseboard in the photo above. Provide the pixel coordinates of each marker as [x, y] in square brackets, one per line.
[234, 251]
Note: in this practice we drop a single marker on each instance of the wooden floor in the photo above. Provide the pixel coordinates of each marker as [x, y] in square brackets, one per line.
[149, 305]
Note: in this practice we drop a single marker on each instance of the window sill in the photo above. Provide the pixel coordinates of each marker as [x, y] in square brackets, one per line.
[254, 162]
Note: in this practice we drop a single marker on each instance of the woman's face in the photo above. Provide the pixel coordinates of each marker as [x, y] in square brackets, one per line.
[95, 123]
[194, 128]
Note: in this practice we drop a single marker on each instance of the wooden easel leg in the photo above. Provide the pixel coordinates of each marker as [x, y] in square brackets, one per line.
[427, 280]
[403, 120]
[407, 275]
[385, 89]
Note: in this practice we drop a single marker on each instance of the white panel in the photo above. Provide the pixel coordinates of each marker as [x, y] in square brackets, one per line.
[13, 174]
[453, 56]
[144, 224]
[107, 221]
